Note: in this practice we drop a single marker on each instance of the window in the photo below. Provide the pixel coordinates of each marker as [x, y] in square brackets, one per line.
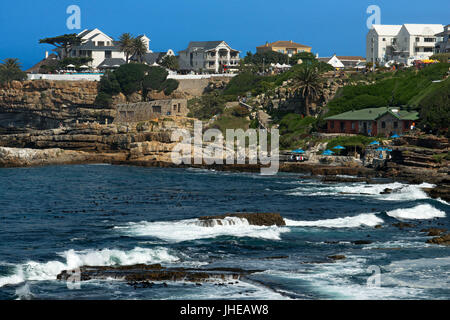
[383, 125]
[353, 125]
[101, 43]
[332, 124]
[417, 39]
[430, 39]
[342, 126]
[179, 107]
[108, 54]
[156, 109]
[384, 39]
[429, 49]
[395, 124]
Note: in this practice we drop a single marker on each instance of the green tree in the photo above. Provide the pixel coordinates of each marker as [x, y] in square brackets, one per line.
[308, 83]
[130, 77]
[171, 63]
[64, 42]
[126, 42]
[139, 49]
[10, 70]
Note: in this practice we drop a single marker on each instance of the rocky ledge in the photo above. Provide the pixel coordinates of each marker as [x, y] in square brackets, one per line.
[256, 219]
[155, 272]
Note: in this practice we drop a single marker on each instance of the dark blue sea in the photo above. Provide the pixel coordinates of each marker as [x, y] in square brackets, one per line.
[62, 217]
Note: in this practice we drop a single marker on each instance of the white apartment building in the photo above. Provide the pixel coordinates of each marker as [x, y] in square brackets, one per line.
[104, 51]
[402, 44]
[208, 56]
[443, 46]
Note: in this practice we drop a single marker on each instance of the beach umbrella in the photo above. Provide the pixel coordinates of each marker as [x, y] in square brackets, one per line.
[339, 148]
[374, 143]
[380, 149]
[70, 66]
[395, 136]
[328, 153]
[84, 67]
[298, 151]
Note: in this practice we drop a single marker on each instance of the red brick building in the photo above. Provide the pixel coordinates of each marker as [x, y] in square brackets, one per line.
[372, 122]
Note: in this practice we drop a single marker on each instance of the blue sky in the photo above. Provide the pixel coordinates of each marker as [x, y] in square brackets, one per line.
[329, 26]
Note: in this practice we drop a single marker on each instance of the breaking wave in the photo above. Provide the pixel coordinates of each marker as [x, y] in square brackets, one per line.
[193, 229]
[362, 220]
[400, 191]
[420, 212]
[37, 271]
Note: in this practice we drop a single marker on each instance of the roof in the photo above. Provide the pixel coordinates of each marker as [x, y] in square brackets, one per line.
[386, 30]
[205, 45]
[153, 57]
[351, 58]
[371, 114]
[424, 29]
[112, 62]
[91, 46]
[282, 43]
[34, 69]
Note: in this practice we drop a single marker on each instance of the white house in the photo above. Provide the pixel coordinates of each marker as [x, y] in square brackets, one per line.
[104, 51]
[208, 56]
[403, 44]
[380, 42]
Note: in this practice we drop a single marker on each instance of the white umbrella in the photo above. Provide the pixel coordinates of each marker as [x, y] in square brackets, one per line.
[84, 67]
[70, 66]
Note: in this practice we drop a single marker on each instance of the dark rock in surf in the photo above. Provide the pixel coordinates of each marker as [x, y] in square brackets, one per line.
[256, 219]
[360, 242]
[337, 257]
[433, 232]
[142, 275]
[387, 191]
[443, 240]
[403, 225]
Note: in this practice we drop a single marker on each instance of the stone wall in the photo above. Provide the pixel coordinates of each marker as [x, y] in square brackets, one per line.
[145, 111]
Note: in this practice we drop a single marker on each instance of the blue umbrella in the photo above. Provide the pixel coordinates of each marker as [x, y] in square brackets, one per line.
[395, 136]
[298, 151]
[328, 153]
[339, 148]
[374, 143]
[380, 149]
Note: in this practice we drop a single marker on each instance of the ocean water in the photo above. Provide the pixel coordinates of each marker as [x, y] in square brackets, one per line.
[62, 217]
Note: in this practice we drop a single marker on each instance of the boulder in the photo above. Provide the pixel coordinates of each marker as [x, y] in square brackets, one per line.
[256, 219]
[433, 232]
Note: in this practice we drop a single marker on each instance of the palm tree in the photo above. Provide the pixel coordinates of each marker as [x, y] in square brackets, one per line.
[126, 43]
[139, 49]
[11, 70]
[308, 84]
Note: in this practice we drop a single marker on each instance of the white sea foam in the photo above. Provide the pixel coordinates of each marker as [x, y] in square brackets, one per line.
[38, 271]
[400, 191]
[425, 273]
[193, 229]
[345, 280]
[422, 211]
[362, 220]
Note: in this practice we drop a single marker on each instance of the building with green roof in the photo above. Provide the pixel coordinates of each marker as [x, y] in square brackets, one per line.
[372, 121]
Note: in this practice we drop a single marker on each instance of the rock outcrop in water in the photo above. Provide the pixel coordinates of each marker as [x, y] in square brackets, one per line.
[154, 272]
[442, 240]
[256, 219]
